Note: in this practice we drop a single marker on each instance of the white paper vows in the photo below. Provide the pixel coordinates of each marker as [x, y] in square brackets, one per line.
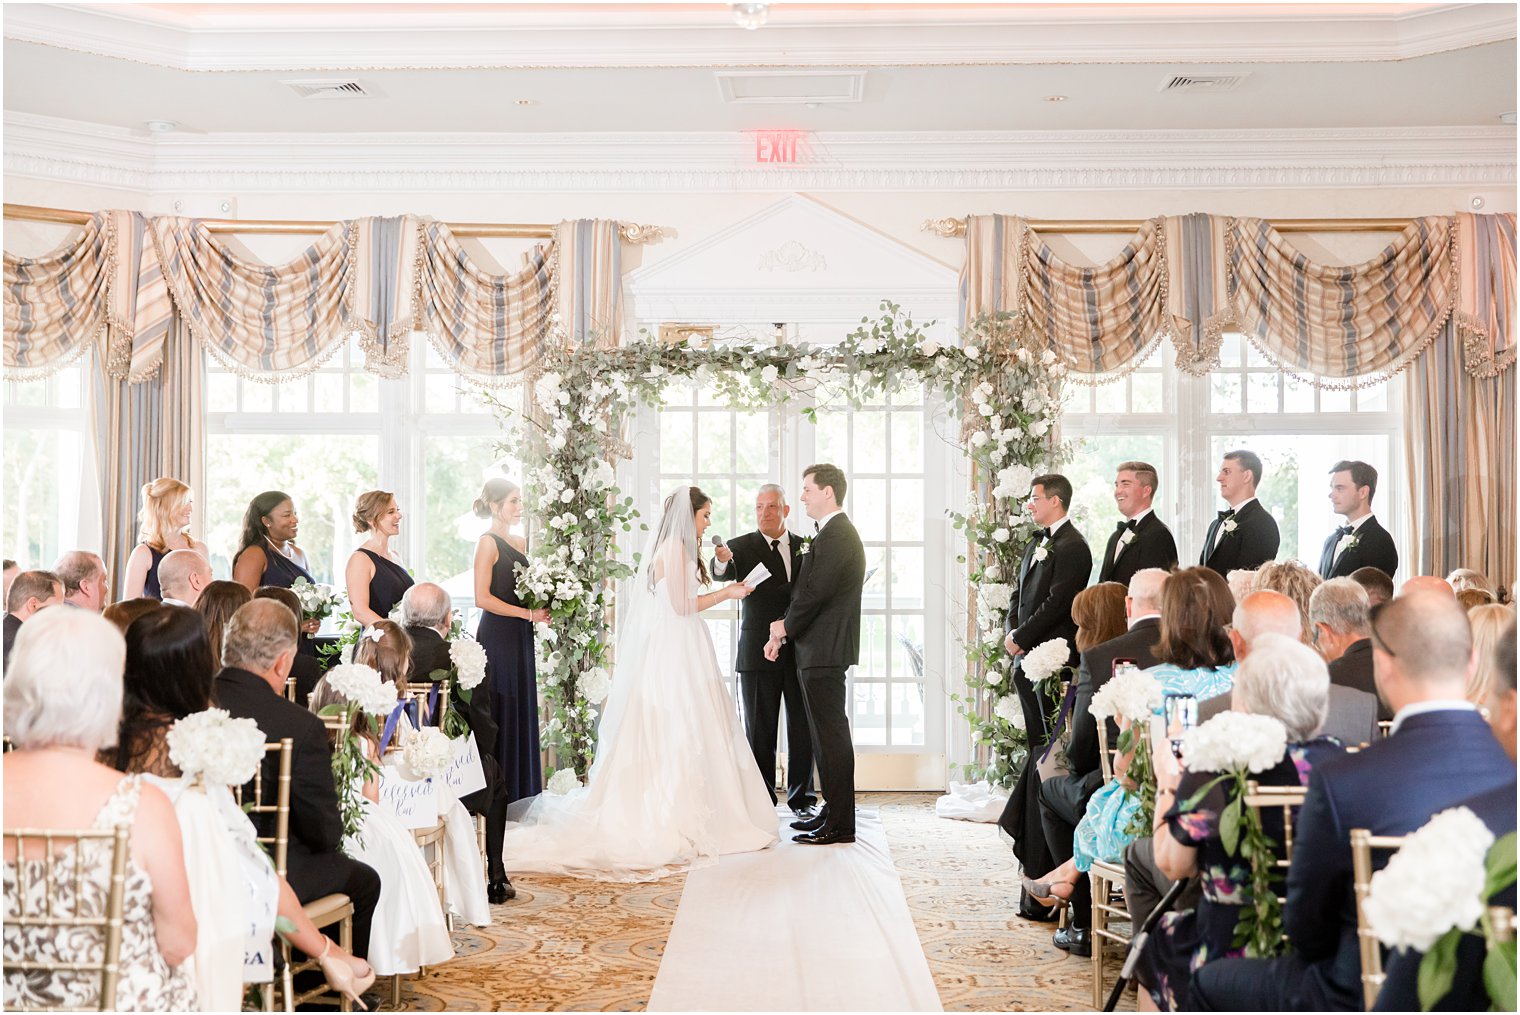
[758, 575]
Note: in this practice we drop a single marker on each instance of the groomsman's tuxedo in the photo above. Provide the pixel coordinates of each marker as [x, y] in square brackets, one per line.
[1362, 543]
[1252, 542]
[1056, 565]
[764, 684]
[1135, 545]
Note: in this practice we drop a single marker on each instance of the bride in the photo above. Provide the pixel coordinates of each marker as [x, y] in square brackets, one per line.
[674, 784]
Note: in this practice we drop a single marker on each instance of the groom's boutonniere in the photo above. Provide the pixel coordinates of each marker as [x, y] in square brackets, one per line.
[1042, 551]
[807, 546]
[1351, 545]
[1229, 526]
[1127, 538]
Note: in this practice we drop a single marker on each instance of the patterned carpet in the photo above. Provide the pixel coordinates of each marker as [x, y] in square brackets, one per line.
[570, 945]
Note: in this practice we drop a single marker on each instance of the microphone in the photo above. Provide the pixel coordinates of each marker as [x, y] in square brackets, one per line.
[717, 540]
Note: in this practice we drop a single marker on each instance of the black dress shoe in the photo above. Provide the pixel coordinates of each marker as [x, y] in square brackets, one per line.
[806, 813]
[811, 824]
[500, 891]
[824, 837]
[1076, 940]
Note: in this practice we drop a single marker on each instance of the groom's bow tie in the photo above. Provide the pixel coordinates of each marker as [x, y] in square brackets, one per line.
[1042, 533]
[1345, 530]
[1227, 513]
[1130, 525]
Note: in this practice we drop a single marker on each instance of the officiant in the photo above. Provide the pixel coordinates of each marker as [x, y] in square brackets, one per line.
[764, 685]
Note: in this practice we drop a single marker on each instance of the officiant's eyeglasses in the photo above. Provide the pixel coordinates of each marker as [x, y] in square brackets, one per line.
[1372, 617]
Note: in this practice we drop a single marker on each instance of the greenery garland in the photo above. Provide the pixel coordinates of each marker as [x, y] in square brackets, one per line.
[1007, 388]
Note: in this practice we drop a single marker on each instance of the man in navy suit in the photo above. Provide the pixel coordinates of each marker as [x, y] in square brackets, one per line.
[1361, 542]
[1244, 536]
[1440, 752]
[1142, 540]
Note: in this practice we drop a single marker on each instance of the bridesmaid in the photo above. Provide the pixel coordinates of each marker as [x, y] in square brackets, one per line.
[375, 581]
[506, 633]
[163, 525]
[268, 554]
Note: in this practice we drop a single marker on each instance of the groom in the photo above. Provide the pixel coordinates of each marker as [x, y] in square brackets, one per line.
[823, 624]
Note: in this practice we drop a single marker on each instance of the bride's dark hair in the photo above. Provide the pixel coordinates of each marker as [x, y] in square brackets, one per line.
[699, 500]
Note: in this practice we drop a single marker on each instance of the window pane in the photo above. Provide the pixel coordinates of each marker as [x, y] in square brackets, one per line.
[257, 396]
[714, 442]
[907, 442]
[438, 393]
[867, 500]
[328, 389]
[906, 575]
[1225, 391]
[1261, 392]
[832, 443]
[1298, 395]
[1092, 479]
[752, 443]
[1332, 400]
[1145, 392]
[1229, 350]
[1373, 399]
[1111, 397]
[675, 442]
[454, 470]
[27, 393]
[221, 392]
[42, 497]
[870, 442]
[869, 714]
[66, 388]
[364, 393]
[907, 510]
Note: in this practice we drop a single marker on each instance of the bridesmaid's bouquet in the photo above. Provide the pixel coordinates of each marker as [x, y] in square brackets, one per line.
[317, 601]
[545, 581]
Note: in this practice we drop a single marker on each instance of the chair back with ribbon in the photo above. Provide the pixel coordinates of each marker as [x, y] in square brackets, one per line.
[56, 858]
[278, 839]
[1363, 843]
[427, 703]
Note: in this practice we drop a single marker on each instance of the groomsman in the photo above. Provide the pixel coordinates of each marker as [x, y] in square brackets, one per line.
[1361, 542]
[1055, 568]
[1244, 536]
[763, 684]
[1142, 540]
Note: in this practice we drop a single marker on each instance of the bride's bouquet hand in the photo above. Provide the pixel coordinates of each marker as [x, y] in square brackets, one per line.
[738, 590]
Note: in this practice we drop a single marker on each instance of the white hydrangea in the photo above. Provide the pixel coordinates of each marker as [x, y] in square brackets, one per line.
[599, 475]
[222, 750]
[362, 686]
[427, 752]
[769, 374]
[1008, 710]
[1130, 697]
[594, 685]
[1045, 659]
[1013, 481]
[992, 603]
[1235, 742]
[469, 659]
[563, 782]
[1432, 884]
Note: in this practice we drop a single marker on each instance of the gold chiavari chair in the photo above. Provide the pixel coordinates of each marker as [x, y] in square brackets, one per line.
[419, 693]
[1363, 843]
[60, 849]
[1111, 928]
[290, 688]
[1385, 728]
[1287, 799]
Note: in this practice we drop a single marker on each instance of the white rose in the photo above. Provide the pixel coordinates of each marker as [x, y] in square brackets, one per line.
[972, 352]
[563, 782]
[566, 496]
[1000, 534]
[427, 752]
[979, 439]
[594, 685]
[769, 374]
[931, 348]
[469, 659]
[1008, 710]
[992, 572]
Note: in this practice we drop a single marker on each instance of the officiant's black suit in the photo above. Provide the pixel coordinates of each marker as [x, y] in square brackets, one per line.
[1040, 611]
[764, 684]
[823, 625]
[1374, 548]
[1253, 543]
[1153, 546]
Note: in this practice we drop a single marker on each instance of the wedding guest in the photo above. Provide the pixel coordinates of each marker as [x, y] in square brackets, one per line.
[1379, 586]
[163, 526]
[1244, 535]
[1281, 678]
[306, 670]
[1489, 622]
[1242, 583]
[375, 580]
[182, 576]
[1439, 752]
[217, 603]
[1361, 541]
[29, 592]
[1339, 611]
[1467, 578]
[63, 698]
[1428, 583]
[84, 579]
[12, 569]
[1293, 580]
[506, 633]
[1142, 540]
[124, 612]
[257, 654]
[1055, 567]
[169, 676]
[1472, 598]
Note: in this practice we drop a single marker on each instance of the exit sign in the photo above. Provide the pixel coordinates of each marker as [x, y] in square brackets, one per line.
[779, 146]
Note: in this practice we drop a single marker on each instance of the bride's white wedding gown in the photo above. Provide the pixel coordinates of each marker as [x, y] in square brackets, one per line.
[674, 784]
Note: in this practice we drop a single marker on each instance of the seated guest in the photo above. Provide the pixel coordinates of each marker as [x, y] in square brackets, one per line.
[168, 677]
[62, 707]
[217, 603]
[1428, 583]
[1296, 582]
[1351, 715]
[1471, 599]
[256, 656]
[123, 612]
[30, 592]
[1467, 578]
[182, 576]
[1489, 624]
[1361, 542]
[1439, 753]
[12, 569]
[84, 579]
[163, 526]
[306, 670]
[1242, 583]
[1338, 610]
[1379, 587]
[1496, 808]
[1281, 678]
[427, 612]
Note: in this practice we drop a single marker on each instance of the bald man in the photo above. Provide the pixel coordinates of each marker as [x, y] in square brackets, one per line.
[181, 576]
[1439, 753]
[1428, 583]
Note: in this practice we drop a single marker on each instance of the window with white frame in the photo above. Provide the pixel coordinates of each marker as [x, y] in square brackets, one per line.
[52, 496]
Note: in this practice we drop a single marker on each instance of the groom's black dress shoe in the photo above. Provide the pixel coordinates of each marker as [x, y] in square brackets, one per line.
[807, 813]
[824, 837]
[499, 891]
[811, 824]
[1076, 940]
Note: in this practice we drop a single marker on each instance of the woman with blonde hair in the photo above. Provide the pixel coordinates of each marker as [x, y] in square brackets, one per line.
[163, 525]
[1296, 582]
[376, 580]
[1489, 623]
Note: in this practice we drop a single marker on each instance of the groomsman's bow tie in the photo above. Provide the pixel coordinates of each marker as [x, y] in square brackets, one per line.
[1131, 525]
[1227, 513]
[1345, 530]
[817, 528]
[1043, 533]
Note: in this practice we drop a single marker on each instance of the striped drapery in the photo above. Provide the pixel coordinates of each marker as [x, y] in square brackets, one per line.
[1198, 289]
[384, 305]
[587, 258]
[1486, 294]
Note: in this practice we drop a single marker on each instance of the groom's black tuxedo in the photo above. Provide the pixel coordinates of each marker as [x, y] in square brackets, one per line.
[764, 684]
[1151, 546]
[1252, 543]
[1373, 548]
[823, 624]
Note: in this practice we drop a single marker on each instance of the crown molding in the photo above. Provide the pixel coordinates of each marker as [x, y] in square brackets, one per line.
[68, 151]
[409, 36]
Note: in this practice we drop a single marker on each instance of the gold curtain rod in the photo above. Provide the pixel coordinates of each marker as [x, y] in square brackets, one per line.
[631, 232]
[957, 226]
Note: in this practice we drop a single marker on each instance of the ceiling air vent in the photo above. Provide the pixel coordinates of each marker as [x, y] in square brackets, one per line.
[812, 87]
[327, 88]
[1202, 83]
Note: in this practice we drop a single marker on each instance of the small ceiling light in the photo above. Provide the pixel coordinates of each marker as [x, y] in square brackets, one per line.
[161, 126]
[750, 16]
[527, 102]
[1055, 98]
[1508, 118]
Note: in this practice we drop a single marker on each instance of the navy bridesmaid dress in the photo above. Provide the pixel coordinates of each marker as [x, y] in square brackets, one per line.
[151, 589]
[282, 572]
[388, 585]
[508, 642]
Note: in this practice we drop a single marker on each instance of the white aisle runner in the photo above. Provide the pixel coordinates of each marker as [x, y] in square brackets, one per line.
[797, 928]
